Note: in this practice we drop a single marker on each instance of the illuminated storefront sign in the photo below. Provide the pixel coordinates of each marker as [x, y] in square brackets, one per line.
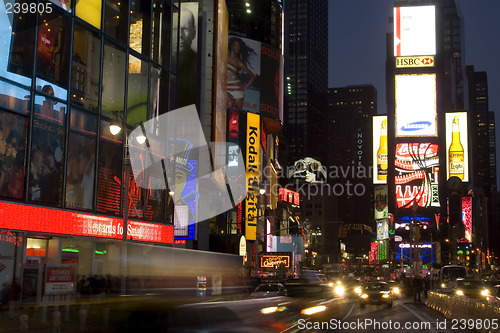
[373, 253]
[253, 173]
[416, 108]
[289, 196]
[17, 217]
[417, 174]
[60, 279]
[382, 230]
[420, 61]
[457, 148]
[269, 261]
[414, 31]
[380, 150]
[467, 217]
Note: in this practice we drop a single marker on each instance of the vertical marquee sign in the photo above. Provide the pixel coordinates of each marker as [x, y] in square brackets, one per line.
[253, 174]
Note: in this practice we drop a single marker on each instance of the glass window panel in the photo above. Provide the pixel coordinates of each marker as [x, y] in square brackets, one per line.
[85, 69]
[90, 11]
[13, 97]
[116, 19]
[109, 171]
[81, 160]
[174, 37]
[47, 160]
[17, 37]
[53, 46]
[13, 133]
[162, 28]
[173, 92]
[140, 25]
[137, 98]
[49, 88]
[49, 109]
[154, 93]
[113, 80]
[64, 4]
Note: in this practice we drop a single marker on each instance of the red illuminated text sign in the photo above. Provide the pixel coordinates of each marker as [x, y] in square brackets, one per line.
[271, 261]
[18, 217]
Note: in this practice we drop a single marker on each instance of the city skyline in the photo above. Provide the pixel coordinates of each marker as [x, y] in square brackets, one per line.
[357, 45]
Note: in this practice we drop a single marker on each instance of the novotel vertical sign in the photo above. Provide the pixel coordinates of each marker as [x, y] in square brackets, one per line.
[253, 174]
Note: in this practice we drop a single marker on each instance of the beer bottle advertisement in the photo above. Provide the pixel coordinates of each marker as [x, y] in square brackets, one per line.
[457, 163]
[382, 163]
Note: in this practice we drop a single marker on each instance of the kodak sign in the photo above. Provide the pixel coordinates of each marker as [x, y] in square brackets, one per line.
[253, 174]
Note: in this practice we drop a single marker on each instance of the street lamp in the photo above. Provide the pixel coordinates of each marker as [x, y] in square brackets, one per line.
[171, 198]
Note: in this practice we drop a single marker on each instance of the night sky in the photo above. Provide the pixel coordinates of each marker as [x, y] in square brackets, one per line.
[357, 45]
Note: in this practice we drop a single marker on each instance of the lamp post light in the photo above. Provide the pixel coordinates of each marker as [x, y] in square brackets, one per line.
[171, 198]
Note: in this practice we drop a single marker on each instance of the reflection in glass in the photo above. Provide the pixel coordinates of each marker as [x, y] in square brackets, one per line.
[46, 169]
[137, 96]
[113, 80]
[12, 154]
[48, 108]
[117, 19]
[162, 28]
[109, 172]
[53, 47]
[90, 11]
[140, 20]
[81, 160]
[13, 98]
[85, 69]
[17, 37]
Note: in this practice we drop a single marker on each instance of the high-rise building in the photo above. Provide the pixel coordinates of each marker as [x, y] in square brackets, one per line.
[349, 121]
[306, 76]
[484, 179]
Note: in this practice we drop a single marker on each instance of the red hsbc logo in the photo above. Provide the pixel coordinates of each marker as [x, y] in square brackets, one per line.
[420, 61]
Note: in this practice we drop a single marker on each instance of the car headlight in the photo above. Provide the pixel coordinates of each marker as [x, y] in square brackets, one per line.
[396, 290]
[364, 296]
[460, 292]
[330, 284]
[357, 290]
[443, 285]
[339, 290]
[268, 310]
[485, 292]
[313, 310]
[386, 295]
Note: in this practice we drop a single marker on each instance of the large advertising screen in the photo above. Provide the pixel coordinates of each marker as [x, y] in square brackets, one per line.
[457, 162]
[416, 110]
[380, 151]
[414, 31]
[467, 217]
[381, 209]
[417, 175]
[255, 80]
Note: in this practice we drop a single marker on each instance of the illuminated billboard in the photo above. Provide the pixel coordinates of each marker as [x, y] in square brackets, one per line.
[416, 110]
[417, 174]
[467, 217]
[418, 61]
[457, 163]
[381, 209]
[253, 173]
[382, 230]
[380, 166]
[414, 31]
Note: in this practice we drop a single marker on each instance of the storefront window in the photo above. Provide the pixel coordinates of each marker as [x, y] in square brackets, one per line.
[116, 19]
[162, 28]
[17, 37]
[36, 247]
[137, 97]
[81, 160]
[47, 152]
[109, 171]
[53, 46]
[90, 11]
[113, 80]
[85, 69]
[140, 22]
[12, 154]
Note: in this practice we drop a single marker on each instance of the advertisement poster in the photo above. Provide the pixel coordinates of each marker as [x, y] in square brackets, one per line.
[381, 209]
[60, 279]
[414, 31]
[417, 175]
[380, 150]
[457, 148]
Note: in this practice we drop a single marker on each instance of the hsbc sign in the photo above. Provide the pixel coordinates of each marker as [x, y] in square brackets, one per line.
[420, 61]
